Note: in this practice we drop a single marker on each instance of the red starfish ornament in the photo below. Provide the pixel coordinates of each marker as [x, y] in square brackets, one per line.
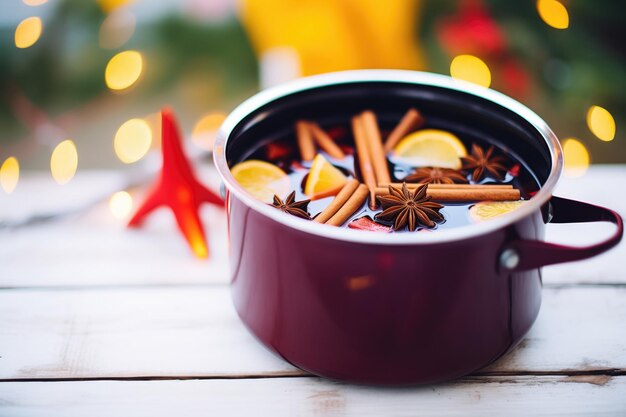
[178, 188]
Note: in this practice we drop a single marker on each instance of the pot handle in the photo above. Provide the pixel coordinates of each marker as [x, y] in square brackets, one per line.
[522, 255]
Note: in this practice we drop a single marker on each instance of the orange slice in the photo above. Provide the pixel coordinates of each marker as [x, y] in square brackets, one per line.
[432, 148]
[262, 179]
[486, 210]
[324, 179]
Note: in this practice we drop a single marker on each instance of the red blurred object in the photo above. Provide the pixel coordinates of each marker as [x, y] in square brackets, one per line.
[336, 132]
[471, 31]
[365, 223]
[515, 78]
[178, 188]
[277, 151]
[514, 171]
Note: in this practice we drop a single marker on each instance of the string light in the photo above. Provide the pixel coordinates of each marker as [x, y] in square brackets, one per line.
[64, 161]
[601, 123]
[576, 157]
[203, 134]
[28, 32]
[123, 70]
[472, 69]
[121, 204]
[9, 174]
[132, 140]
[553, 13]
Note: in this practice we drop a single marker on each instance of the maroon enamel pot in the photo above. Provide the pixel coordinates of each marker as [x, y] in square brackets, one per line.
[405, 308]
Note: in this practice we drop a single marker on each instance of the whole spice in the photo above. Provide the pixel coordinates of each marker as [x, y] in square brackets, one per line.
[481, 164]
[436, 175]
[338, 202]
[406, 208]
[354, 203]
[412, 120]
[293, 207]
[462, 193]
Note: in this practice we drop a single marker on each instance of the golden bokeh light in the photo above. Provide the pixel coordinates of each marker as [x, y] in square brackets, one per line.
[203, 134]
[553, 13]
[9, 174]
[132, 140]
[601, 123]
[472, 69]
[34, 2]
[576, 157]
[108, 6]
[64, 161]
[116, 29]
[28, 32]
[121, 204]
[123, 70]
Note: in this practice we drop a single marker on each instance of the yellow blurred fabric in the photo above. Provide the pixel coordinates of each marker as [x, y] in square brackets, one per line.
[334, 35]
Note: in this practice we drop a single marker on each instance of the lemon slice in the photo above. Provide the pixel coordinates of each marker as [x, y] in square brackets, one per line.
[262, 179]
[486, 210]
[324, 179]
[432, 148]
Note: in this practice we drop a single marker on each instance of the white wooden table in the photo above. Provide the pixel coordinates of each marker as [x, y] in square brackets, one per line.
[97, 320]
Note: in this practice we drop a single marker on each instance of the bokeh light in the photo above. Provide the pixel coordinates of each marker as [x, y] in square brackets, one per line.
[553, 13]
[121, 204]
[64, 161]
[132, 140]
[108, 6]
[123, 70]
[28, 32]
[576, 157]
[472, 69]
[34, 2]
[203, 134]
[116, 29]
[9, 174]
[601, 123]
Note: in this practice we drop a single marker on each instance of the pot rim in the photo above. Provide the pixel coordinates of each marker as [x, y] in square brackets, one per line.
[391, 76]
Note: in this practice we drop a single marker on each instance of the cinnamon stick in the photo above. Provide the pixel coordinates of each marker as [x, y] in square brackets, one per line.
[340, 199]
[412, 120]
[355, 202]
[325, 142]
[365, 163]
[375, 147]
[466, 195]
[413, 185]
[305, 141]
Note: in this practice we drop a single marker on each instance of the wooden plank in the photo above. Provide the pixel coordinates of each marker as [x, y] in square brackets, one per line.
[276, 397]
[594, 188]
[58, 253]
[194, 332]
[38, 196]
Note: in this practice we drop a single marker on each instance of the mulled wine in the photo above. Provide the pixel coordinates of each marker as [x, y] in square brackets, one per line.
[408, 176]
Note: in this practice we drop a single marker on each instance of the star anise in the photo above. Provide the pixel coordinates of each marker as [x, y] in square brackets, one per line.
[406, 208]
[436, 175]
[293, 207]
[481, 163]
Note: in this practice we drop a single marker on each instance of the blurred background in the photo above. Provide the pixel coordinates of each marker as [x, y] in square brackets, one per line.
[82, 81]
